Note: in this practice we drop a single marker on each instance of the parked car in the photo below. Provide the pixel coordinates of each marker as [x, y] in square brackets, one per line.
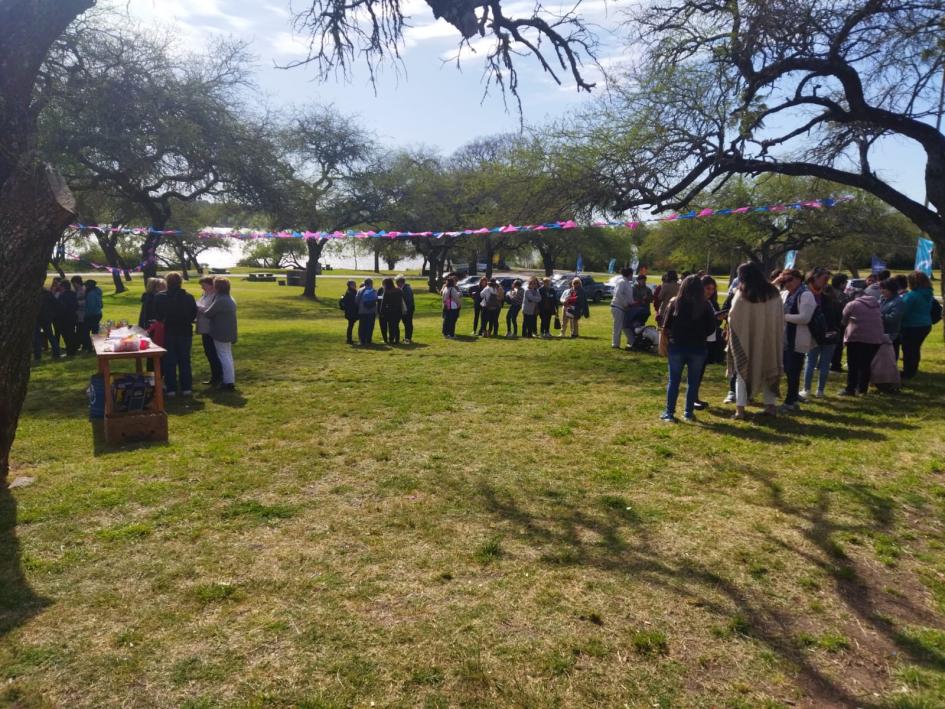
[594, 290]
[465, 284]
[855, 286]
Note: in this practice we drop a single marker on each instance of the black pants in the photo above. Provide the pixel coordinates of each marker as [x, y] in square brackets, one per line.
[366, 328]
[530, 325]
[859, 360]
[382, 322]
[546, 323]
[897, 344]
[477, 315]
[449, 322]
[408, 325]
[912, 339]
[392, 323]
[793, 364]
[43, 334]
[349, 337]
[67, 330]
[210, 350]
[837, 364]
[490, 321]
[511, 319]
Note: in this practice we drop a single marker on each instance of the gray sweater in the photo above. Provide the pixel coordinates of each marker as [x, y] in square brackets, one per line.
[222, 316]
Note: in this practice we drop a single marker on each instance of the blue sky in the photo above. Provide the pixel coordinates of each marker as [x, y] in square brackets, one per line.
[425, 100]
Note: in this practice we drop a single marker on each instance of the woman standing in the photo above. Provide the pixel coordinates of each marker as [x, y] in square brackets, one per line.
[452, 302]
[410, 307]
[531, 301]
[548, 306]
[222, 316]
[148, 313]
[392, 311]
[891, 307]
[820, 356]
[479, 324]
[516, 296]
[349, 305]
[489, 307]
[799, 307]
[863, 334]
[66, 322]
[916, 322]
[715, 342]
[838, 292]
[755, 353]
[688, 320]
[203, 329]
[575, 307]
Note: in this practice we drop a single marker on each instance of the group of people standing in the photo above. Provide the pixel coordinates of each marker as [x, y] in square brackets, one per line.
[169, 313]
[70, 312]
[390, 305]
[775, 324]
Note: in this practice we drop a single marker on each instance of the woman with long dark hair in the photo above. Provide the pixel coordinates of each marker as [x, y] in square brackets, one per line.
[916, 321]
[755, 352]
[688, 320]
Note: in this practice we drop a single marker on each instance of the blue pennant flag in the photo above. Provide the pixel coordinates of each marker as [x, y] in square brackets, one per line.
[790, 258]
[612, 266]
[923, 256]
[877, 264]
[580, 263]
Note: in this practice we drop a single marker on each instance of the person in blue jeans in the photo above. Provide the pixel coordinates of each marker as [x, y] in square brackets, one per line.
[177, 309]
[820, 356]
[688, 321]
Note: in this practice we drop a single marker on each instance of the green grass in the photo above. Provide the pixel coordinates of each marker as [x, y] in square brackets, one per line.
[470, 523]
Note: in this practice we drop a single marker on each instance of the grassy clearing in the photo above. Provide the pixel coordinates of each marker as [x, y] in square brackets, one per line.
[470, 523]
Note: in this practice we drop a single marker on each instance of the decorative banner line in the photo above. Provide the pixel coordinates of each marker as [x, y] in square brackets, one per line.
[246, 234]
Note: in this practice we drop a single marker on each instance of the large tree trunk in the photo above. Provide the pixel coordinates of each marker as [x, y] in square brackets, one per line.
[315, 247]
[115, 264]
[377, 259]
[35, 206]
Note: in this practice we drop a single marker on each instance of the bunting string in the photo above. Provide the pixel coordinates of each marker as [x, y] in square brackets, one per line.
[251, 234]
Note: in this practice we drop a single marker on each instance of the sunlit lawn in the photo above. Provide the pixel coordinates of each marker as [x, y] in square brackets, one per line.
[470, 523]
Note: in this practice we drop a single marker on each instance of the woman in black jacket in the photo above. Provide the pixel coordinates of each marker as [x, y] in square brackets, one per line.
[392, 311]
[689, 320]
[547, 307]
[349, 305]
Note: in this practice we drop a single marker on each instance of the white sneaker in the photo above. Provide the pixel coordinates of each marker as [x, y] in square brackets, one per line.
[730, 398]
[170, 394]
[802, 393]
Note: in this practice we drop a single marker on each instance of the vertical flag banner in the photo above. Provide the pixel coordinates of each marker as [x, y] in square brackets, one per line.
[612, 266]
[790, 258]
[923, 256]
[877, 264]
[634, 257]
[580, 263]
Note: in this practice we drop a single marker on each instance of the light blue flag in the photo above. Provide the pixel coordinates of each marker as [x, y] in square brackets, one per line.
[878, 264]
[580, 263]
[790, 258]
[923, 256]
[634, 257]
[612, 266]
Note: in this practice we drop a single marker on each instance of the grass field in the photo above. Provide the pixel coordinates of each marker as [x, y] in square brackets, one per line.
[470, 523]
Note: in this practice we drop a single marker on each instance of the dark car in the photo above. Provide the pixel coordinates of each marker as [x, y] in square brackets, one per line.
[594, 290]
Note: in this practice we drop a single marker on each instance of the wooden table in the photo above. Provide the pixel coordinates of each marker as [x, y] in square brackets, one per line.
[149, 424]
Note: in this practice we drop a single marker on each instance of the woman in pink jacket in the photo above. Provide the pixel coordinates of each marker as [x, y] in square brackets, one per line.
[862, 336]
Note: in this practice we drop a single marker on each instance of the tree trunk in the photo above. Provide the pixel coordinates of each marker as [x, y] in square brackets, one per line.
[315, 247]
[149, 261]
[56, 264]
[377, 260]
[107, 244]
[35, 206]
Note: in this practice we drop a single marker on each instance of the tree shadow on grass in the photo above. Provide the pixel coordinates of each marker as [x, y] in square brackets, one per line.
[612, 539]
[18, 602]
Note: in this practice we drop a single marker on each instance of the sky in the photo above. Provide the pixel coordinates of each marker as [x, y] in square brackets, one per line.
[425, 100]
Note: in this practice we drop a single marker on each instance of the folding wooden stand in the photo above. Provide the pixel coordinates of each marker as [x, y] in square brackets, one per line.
[149, 424]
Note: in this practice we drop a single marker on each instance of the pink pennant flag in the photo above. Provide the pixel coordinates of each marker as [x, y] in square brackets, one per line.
[706, 213]
[777, 208]
[482, 231]
[633, 225]
[671, 217]
[569, 224]
[741, 210]
[508, 229]
[540, 227]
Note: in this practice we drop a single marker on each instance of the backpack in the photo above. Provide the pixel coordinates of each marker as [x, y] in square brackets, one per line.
[492, 303]
[369, 297]
[936, 311]
[818, 326]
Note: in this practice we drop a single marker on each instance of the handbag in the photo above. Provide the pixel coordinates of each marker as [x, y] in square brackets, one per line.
[664, 344]
[557, 322]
